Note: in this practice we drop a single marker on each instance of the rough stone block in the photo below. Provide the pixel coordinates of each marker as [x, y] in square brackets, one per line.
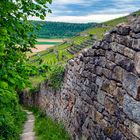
[136, 44]
[117, 73]
[117, 47]
[99, 70]
[107, 73]
[110, 65]
[136, 36]
[110, 106]
[108, 86]
[123, 29]
[129, 52]
[119, 95]
[98, 117]
[124, 62]
[136, 27]
[137, 62]
[131, 84]
[133, 127]
[132, 108]
[101, 97]
[110, 55]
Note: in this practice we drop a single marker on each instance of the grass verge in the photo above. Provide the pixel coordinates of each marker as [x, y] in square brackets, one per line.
[48, 129]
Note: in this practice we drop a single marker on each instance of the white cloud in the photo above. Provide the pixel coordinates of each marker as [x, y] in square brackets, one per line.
[84, 19]
[79, 2]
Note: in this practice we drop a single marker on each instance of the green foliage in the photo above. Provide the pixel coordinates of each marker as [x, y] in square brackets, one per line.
[79, 39]
[60, 29]
[15, 39]
[116, 21]
[56, 76]
[11, 116]
[48, 129]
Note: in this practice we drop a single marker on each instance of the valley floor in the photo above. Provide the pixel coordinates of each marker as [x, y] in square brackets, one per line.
[44, 44]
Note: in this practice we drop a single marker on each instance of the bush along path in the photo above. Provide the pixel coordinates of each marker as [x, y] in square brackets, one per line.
[28, 133]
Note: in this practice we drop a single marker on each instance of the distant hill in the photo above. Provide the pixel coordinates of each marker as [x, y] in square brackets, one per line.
[102, 28]
[60, 29]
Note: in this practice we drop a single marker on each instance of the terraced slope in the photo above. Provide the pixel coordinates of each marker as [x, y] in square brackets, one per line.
[60, 54]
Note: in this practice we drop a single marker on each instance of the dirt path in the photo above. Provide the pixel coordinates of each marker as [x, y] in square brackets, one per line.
[28, 133]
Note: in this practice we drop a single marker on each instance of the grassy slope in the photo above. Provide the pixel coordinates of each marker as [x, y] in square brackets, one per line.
[63, 55]
[48, 129]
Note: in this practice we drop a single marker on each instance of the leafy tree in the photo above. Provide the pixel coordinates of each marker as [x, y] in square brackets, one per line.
[16, 38]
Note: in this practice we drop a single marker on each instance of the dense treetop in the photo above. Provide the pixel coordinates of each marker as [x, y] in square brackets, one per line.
[60, 29]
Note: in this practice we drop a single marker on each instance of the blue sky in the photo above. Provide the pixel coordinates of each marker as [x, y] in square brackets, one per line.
[91, 10]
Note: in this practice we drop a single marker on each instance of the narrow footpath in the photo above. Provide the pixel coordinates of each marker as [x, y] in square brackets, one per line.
[28, 133]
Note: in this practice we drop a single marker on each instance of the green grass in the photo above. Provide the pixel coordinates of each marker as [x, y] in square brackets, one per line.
[48, 129]
[47, 43]
[98, 31]
[35, 80]
[114, 22]
[79, 40]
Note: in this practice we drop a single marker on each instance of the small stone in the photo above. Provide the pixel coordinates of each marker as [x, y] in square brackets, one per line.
[108, 86]
[107, 73]
[110, 106]
[136, 27]
[99, 107]
[117, 47]
[117, 73]
[99, 81]
[101, 97]
[99, 52]
[99, 70]
[110, 65]
[90, 52]
[136, 36]
[105, 86]
[137, 62]
[110, 55]
[129, 53]
[119, 95]
[136, 44]
[71, 62]
[98, 117]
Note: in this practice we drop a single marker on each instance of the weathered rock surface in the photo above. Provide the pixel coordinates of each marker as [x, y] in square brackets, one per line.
[100, 96]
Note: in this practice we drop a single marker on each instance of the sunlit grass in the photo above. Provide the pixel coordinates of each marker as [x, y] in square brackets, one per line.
[48, 129]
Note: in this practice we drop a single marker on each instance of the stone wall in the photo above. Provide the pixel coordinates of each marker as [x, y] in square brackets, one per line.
[100, 96]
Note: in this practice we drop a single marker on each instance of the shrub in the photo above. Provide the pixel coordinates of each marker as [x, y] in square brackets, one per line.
[55, 76]
[11, 116]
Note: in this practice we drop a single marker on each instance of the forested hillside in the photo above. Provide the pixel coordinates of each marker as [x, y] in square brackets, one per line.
[60, 29]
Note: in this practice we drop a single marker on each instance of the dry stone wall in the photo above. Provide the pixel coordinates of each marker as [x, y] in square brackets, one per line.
[100, 96]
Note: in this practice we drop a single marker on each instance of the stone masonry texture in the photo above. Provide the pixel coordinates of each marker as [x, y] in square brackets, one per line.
[100, 96]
